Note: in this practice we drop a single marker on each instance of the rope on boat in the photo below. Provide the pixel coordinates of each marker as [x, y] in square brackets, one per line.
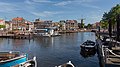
[113, 53]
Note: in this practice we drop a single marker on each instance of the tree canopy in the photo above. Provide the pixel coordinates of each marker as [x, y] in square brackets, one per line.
[112, 14]
[89, 26]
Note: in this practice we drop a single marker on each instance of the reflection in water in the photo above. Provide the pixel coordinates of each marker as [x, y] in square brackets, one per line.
[83, 36]
[87, 53]
[17, 42]
[52, 51]
[45, 42]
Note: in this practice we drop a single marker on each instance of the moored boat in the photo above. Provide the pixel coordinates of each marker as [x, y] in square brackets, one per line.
[84, 53]
[47, 32]
[49, 35]
[88, 45]
[11, 58]
[68, 64]
[28, 63]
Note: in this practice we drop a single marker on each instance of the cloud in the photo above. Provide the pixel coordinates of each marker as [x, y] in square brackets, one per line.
[36, 1]
[85, 1]
[45, 1]
[94, 16]
[28, 2]
[90, 6]
[7, 7]
[18, 7]
[45, 13]
[63, 3]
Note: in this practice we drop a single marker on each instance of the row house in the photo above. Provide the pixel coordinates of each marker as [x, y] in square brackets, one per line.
[21, 24]
[79, 25]
[62, 25]
[96, 25]
[56, 25]
[69, 25]
[2, 24]
[5, 25]
[42, 26]
[18, 23]
[8, 26]
[30, 26]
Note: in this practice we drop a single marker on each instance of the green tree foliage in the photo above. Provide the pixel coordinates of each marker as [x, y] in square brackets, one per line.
[89, 26]
[82, 25]
[2, 26]
[104, 24]
[112, 14]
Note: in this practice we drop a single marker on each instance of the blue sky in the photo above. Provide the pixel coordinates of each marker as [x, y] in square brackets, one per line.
[91, 10]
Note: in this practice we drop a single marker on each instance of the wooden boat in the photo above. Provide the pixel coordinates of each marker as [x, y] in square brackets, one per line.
[87, 53]
[68, 64]
[88, 45]
[11, 58]
[29, 63]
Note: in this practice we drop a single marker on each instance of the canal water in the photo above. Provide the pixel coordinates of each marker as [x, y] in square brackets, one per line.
[53, 51]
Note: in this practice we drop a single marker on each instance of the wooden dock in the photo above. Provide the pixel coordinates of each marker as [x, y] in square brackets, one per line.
[108, 54]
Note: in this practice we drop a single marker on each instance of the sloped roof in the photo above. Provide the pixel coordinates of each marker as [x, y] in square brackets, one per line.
[18, 18]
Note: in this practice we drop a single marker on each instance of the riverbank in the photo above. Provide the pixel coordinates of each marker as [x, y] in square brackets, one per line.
[75, 31]
[29, 35]
[108, 50]
[16, 36]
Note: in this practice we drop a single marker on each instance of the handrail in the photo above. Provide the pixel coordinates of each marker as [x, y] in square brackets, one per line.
[113, 52]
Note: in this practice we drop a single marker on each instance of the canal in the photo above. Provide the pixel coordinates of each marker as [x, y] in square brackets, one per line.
[53, 51]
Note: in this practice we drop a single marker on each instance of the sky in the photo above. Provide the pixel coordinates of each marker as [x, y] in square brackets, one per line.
[89, 10]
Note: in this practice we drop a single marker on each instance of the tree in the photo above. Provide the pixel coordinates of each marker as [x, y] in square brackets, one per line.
[112, 14]
[82, 25]
[2, 26]
[103, 24]
[89, 26]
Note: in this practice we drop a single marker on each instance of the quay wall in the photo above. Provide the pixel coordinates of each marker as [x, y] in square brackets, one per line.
[99, 52]
[14, 36]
